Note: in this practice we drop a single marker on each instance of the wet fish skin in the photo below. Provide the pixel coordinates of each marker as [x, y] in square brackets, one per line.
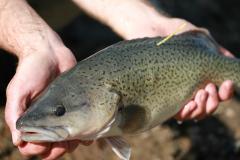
[154, 82]
[128, 88]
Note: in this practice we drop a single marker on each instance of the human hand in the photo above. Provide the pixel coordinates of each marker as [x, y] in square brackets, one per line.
[42, 56]
[34, 72]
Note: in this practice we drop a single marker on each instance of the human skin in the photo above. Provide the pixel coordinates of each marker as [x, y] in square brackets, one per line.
[42, 56]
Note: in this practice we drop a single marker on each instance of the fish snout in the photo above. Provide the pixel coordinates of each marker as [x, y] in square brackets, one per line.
[24, 121]
[20, 123]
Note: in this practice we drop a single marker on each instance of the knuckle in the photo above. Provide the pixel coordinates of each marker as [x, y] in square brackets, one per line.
[14, 89]
[201, 91]
[10, 89]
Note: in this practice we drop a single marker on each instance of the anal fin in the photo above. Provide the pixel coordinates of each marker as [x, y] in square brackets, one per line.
[120, 147]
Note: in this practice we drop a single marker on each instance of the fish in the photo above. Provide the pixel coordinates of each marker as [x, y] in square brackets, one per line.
[126, 89]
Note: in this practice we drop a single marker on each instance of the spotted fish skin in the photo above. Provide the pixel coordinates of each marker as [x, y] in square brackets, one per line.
[154, 82]
[127, 88]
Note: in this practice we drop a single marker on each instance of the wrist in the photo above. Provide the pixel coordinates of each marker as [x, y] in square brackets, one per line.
[54, 50]
[32, 45]
[23, 32]
[58, 58]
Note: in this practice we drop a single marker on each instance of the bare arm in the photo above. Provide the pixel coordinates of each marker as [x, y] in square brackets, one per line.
[42, 56]
[129, 18]
[22, 30]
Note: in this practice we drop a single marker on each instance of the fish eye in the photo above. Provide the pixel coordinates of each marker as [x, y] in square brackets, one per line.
[60, 110]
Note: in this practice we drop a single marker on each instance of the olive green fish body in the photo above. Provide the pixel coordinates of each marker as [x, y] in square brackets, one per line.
[154, 82]
[127, 88]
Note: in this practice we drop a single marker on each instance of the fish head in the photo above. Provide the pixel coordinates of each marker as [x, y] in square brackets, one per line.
[65, 112]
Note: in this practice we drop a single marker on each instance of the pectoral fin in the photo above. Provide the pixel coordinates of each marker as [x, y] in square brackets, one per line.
[120, 147]
[105, 129]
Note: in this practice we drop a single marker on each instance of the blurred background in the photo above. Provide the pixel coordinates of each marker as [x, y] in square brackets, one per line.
[214, 138]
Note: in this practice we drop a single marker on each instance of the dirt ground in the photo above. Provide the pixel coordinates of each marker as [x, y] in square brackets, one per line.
[214, 138]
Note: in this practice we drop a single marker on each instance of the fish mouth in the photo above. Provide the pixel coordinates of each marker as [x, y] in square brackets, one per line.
[44, 134]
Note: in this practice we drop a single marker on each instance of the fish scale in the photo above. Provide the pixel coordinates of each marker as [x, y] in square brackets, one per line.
[164, 76]
[127, 88]
[142, 57]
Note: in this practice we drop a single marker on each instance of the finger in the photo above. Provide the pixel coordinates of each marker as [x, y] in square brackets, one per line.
[30, 149]
[212, 101]
[15, 106]
[56, 151]
[200, 99]
[67, 59]
[226, 90]
[184, 113]
[225, 52]
[11, 118]
[20, 90]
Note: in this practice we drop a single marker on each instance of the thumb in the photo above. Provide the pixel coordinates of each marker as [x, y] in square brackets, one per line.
[66, 59]
[15, 106]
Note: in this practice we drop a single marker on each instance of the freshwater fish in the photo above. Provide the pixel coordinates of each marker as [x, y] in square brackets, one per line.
[126, 89]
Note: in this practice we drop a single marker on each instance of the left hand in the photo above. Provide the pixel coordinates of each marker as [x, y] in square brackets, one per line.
[35, 71]
[207, 99]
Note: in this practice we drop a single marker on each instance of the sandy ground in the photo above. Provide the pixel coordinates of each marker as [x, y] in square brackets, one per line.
[214, 138]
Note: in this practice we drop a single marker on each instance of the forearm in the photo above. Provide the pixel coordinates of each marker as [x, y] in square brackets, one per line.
[125, 16]
[22, 31]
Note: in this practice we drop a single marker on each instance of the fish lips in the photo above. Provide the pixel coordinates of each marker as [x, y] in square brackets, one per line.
[43, 134]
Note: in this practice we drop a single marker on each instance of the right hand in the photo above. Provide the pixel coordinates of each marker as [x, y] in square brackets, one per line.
[34, 72]
[42, 56]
